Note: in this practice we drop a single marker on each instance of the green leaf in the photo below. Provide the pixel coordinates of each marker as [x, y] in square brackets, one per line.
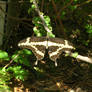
[27, 52]
[86, 42]
[24, 61]
[33, 6]
[66, 54]
[47, 19]
[75, 54]
[4, 55]
[15, 59]
[38, 69]
[29, 10]
[37, 32]
[24, 52]
[18, 72]
[63, 14]
[89, 31]
[73, 7]
[50, 34]
[75, 0]
[31, 1]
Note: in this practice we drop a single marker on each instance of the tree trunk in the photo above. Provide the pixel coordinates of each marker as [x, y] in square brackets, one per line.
[2, 20]
[11, 25]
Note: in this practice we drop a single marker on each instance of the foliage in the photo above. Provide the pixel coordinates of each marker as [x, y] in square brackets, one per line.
[4, 80]
[23, 57]
[75, 54]
[18, 72]
[38, 25]
[72, 17]
[88, 28]
[4, 55]
[15, 71]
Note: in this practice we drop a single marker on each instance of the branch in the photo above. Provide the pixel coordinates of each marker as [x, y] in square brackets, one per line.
[41, 16]
[14, 18]
[42, 4]
[80, 57]
[11, 61]
[86, 2]
[65, 7]
[59, 19]
[84, 58]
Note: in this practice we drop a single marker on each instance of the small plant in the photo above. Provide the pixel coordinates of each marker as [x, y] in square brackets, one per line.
[16, 71]
[40, 23]
[22, 57]
[5, 78]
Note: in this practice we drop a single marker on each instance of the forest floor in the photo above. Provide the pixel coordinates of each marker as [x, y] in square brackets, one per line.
[67, 77]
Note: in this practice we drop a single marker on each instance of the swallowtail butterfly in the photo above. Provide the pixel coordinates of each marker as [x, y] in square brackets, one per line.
[38, 45]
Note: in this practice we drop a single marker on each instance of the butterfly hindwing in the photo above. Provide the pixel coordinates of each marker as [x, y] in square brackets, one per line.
[54, 52]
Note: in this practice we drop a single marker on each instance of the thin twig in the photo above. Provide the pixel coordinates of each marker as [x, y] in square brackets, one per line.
[41, 16]
[59, 19]
[11, 61]
[80, 57]
[65, 7]
[42, 4]
[86, 2]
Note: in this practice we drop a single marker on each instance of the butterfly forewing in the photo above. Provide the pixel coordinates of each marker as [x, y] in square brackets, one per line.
[36, 44]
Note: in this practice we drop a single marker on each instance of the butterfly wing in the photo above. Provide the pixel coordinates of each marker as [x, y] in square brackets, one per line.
[56, 46]
[36, 44]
